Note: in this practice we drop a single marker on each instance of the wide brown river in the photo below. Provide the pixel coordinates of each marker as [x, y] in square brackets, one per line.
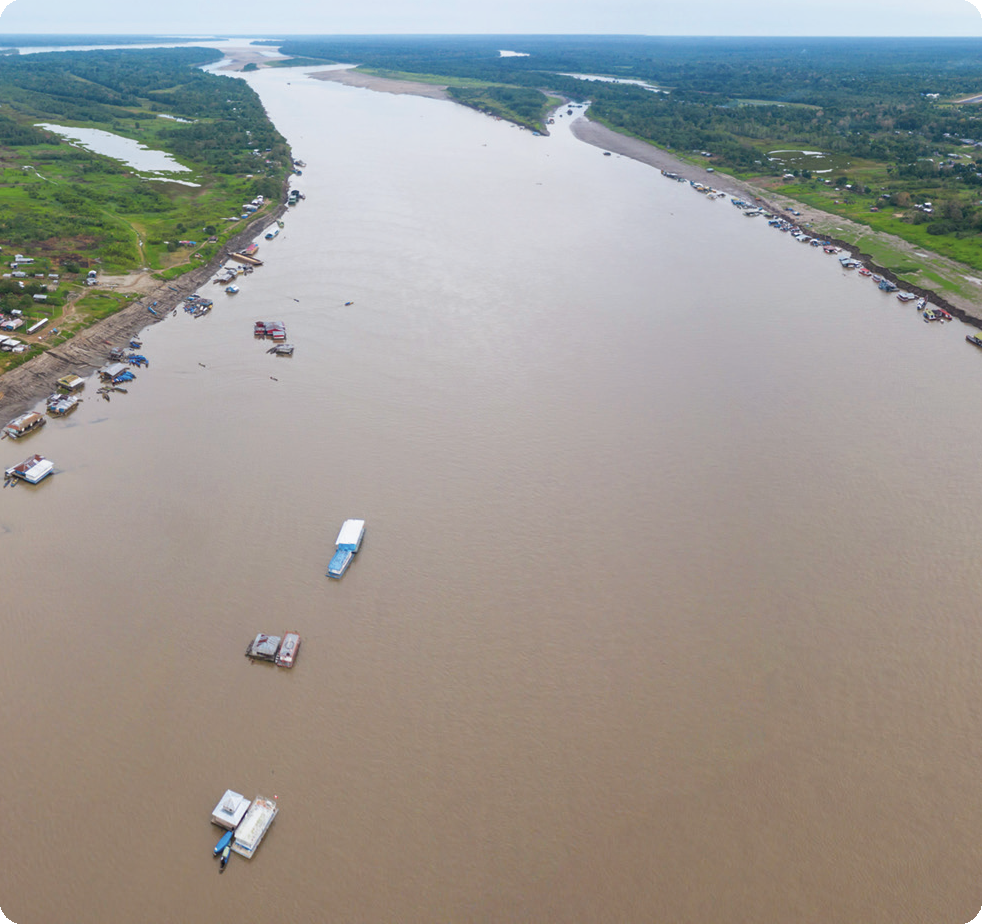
[668, 608]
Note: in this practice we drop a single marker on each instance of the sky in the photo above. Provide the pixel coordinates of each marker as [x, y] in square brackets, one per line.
[635, 17]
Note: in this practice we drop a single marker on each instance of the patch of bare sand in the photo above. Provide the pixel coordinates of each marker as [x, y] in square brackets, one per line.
[353, 78]
[240, 57]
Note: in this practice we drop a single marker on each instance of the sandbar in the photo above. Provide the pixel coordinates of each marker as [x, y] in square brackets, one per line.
[353, 78]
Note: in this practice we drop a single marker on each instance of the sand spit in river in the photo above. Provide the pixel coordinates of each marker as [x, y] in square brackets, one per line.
[352, 78]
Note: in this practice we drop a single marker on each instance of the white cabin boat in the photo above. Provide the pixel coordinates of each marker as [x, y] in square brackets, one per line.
[348, 543]
[287, 655]
[252, 829]
[352, 532]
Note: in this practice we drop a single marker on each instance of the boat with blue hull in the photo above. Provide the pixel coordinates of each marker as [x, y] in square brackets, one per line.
[348, 542]
[339, 563]
[225, 841]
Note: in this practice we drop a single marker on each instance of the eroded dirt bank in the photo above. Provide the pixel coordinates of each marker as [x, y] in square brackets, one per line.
[88, 350]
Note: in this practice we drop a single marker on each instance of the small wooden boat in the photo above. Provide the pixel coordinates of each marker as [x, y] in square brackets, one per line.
[972, 338]
[226, 853]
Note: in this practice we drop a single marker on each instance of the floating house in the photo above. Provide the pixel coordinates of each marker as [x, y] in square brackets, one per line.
[32, 470]
[26, 423]
[275, 330]
[113, 372]
[230, 811]
[242, 256]
[59, 405]
[252, 829]
[348, 543]
[71, 382]
[264, 647]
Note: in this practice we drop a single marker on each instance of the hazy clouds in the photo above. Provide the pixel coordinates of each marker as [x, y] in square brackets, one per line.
[646, 17]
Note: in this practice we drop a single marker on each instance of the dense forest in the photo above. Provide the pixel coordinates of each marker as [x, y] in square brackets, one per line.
[120, 88]
[79, 206]
[886, 113]
[852, 95]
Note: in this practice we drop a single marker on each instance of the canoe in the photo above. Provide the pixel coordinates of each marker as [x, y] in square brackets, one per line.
[225, 841]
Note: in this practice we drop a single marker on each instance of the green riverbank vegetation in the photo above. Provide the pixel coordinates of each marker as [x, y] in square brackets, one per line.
[885, 132]
[72, 210]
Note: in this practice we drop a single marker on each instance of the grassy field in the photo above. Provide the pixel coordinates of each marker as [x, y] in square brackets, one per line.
[71, 210]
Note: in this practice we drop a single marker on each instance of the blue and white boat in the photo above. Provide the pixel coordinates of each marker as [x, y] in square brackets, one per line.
[348, 542]
[225, 841]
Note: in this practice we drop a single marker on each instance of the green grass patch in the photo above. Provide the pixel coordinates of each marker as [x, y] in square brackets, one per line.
[101, 305]
[773, 102]
[521, 105]
[298, 62]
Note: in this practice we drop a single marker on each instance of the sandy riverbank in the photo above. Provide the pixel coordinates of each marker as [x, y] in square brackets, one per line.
[88, 350]
[967, 306]
[353, 78]
[240, 57]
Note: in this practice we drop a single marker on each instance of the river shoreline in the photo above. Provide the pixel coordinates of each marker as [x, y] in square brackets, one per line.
[88, 350]
[607, 139]
[25, 386]
[967, 309]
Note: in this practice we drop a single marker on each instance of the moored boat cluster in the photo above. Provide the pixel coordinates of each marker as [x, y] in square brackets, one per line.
[928, 311]
[245, 824]
[63, 402]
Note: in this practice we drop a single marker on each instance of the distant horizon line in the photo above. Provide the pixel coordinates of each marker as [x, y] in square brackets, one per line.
[504, 35]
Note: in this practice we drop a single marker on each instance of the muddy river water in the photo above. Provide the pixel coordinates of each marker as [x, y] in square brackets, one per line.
[668, 605]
